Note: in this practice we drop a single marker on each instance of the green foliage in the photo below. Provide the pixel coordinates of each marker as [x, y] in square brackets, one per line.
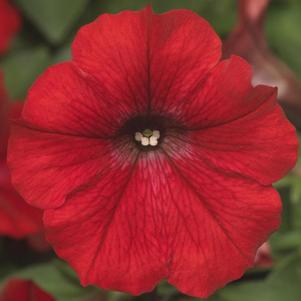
[56, 278]
[54, 18]
[221, 14]
[288, 238]
[282, 284]
[283, 31]
[22, 67]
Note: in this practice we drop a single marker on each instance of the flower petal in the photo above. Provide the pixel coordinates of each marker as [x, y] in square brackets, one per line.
[17, 218]
[23, 290]
[117, 222]
[239, 128]
[9, 24]
[261, 145]
[146, 58]
[45, 178]
[151, 227]
[122, 65]
[3, 118]
[65, 100]
[226, 95]
[222, 220]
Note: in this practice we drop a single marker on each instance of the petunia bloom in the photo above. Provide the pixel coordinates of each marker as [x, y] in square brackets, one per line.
[152, 158]
[9, 24]
[23, 290]
[248, 40]
[17, 218]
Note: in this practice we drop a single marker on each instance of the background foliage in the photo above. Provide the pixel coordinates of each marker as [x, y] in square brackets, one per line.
[48, 28]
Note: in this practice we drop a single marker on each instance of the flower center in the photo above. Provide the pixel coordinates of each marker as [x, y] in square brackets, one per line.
[148, 137]
[147, 132]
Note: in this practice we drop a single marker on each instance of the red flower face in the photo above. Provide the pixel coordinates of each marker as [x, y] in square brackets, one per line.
[17, 218]
[23, 290]
[150, 157]
[9, 24]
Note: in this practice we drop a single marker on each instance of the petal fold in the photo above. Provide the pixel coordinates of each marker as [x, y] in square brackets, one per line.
[149, 59]
[47, 167]
[67, 101]
[261, 145]
[117, 222]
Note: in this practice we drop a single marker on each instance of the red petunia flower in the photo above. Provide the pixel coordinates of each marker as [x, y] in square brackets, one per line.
[151, 158]
[23, 290]
[17, 218]
[248, 40]
[9, 24]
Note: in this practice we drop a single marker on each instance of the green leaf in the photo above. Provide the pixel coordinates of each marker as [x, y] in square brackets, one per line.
[283, 24]
[54, 18]
[21, 69]
[221, 14]
[57, 279]
[251, 291]
[62, 55]
[282, 284]
[286, 278]
[288, 241]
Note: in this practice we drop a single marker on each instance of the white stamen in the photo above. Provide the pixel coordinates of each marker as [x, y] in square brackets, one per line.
[145, 141]
[138, 136]
[153, 141]
[148, 137]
